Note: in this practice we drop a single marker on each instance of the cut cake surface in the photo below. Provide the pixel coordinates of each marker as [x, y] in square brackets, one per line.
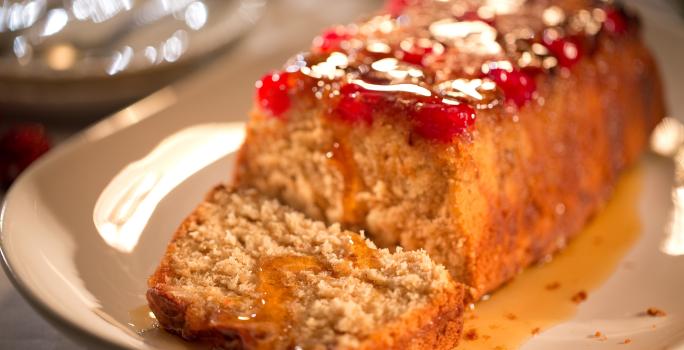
[243, 271]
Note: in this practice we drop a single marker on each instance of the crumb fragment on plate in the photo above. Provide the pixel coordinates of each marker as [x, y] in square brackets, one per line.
[598, 335]
[553, 285]
[471, 334]
[511, 316]
[579, 297]
[655, 312]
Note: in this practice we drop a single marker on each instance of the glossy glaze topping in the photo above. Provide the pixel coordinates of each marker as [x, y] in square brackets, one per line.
[440, 61]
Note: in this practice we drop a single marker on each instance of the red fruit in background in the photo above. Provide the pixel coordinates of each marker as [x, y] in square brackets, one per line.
[441, 121]
[5, 176]
[517, 86]
[396, 7]
[272, 93]
[19, 147]
[331, 40]
[567, 50]
[616, 22]
[356, 104]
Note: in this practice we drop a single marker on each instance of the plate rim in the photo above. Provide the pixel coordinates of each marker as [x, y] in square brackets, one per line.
[73, 330]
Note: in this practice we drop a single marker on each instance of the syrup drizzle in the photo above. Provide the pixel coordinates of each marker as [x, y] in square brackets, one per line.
[268, 324]
[362, 256]
[342, 158]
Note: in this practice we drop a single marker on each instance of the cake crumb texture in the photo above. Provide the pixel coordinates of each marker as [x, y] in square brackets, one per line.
[244, 271]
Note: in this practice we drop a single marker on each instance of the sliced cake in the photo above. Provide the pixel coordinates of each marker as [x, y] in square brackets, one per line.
[244, 272]
[486, 133]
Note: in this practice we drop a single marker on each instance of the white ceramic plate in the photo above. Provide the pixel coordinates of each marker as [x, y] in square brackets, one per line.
[68, 251]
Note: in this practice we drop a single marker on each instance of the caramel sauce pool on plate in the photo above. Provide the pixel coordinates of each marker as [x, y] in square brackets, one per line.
[548, 294]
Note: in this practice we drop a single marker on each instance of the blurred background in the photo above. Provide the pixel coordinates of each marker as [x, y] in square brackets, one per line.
[65, 64]
[85, 58]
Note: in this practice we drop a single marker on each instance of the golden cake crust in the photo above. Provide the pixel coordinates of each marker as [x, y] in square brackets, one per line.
[437, 327]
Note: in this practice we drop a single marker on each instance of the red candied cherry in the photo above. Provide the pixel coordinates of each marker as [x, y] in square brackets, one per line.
[567, 50]
[414, 51]
[438, 120]
[19, 147]
[272, 93]
[331, 40]
[517, 86]
[396, 7]
[356, 104]
[616, 22]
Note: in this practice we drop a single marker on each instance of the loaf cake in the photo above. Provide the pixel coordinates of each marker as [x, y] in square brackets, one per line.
[245, 272]
[484, 132]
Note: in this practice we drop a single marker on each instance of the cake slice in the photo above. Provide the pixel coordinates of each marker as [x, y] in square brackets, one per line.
[486, 133]
[245, 272]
